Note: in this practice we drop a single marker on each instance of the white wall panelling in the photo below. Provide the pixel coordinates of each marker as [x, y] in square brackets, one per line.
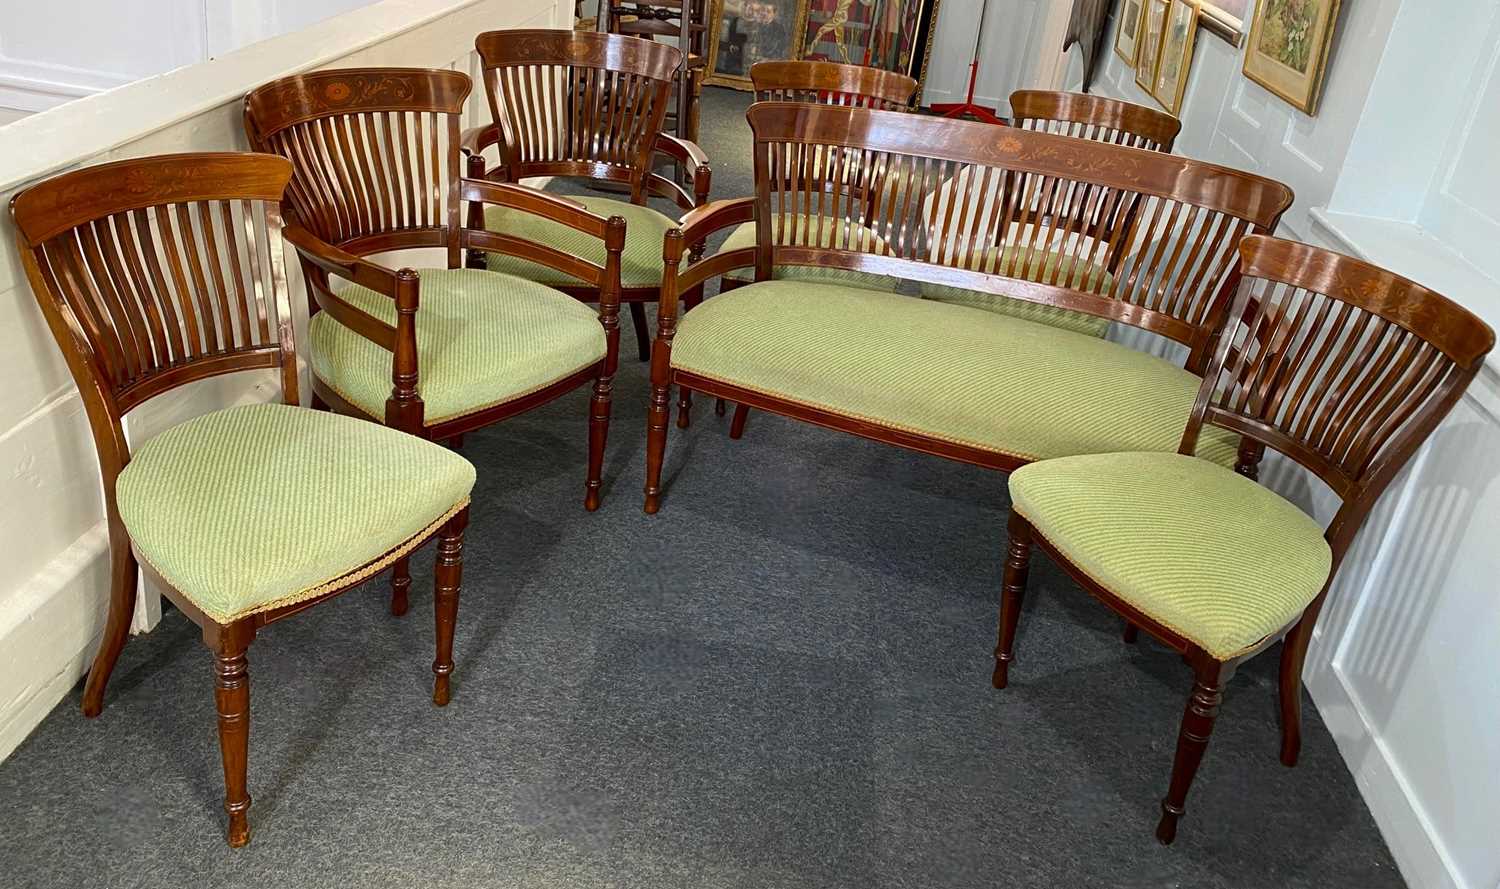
[52, 600]
[1014, 34]
[1398, 167]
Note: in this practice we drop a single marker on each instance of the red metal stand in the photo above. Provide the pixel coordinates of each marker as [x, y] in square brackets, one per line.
[967, 108]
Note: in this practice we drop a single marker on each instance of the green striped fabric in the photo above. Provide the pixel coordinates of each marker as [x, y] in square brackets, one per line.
[836, 233]
[483, 339]
[640, 261]
[1210, 554]
[1039, 267]
[949, 372]
[253, 507]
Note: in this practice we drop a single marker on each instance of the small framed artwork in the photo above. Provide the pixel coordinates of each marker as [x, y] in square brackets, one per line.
[743, 32]
[1176, 55]
[1153, 22]
[1288, 48]
[1127, 35]
[893, 35]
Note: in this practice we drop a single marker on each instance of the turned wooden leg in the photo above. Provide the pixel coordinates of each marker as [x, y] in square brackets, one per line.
[456, 442]
[719, 405]
[1013, 588]
[1247, 461]
[684, 406]
[318, 404]
[1132, 632]
[232, 695]
[1192, 741]
[642, 332]
[1293, 655]
[123, 575]
[737, 424]
[656, 444]
[448, 577]
[598, 434]
[400, 585]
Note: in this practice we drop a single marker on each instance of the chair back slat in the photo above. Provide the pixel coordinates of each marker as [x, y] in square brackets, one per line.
[579, 104]
[1341, 365]
[831, 83]
[1140, 237]
[375, 151]
[1096, 118]
[160, 271]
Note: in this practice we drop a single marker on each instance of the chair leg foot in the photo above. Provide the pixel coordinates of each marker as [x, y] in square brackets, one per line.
[719, 407]
[1132, 632]
[448, 579]
[1293, 655]
[124, 574]
[232, 698]
[737, 424]
[599, 408]
[656, 445]
[684, 407]
[1012, 590]
[400, 586]
[1192, 740]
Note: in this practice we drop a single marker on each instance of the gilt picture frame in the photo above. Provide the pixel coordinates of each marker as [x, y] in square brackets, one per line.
[1153, 23]
[1178, 37]
[1128, 31]
[743, 32]
[1288, 49]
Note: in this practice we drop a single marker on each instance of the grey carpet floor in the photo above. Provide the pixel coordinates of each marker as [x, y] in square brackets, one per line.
[780, 680]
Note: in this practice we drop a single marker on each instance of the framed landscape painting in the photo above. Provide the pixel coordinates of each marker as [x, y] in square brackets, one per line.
[743, 32]
[1153, 22]
[1288, 48]
[1176, 55]
[1127, 35]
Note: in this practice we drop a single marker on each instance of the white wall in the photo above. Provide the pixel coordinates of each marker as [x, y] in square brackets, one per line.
[1398, 167]
[59, 50]
[1014, 32]
[53, 593]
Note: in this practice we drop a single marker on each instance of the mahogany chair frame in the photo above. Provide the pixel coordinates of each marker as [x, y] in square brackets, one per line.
[354, 194]
[616, 95]
[650, 19]
[1179, 287]
[1351, 369]
[817, 82]
[133, 327]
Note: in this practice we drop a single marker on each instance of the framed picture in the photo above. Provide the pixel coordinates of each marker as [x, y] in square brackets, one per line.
[1153, 22]
[893, 35]
[1127, 35]
[1176, 55]
[1288, 48]
[743, 32]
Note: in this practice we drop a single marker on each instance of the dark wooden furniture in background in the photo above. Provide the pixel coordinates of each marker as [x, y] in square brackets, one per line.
[1095, 118]
[1106, 205]
[128, 262]
[1342, 367]
[664, 18]
[586, 106]
[378, 169]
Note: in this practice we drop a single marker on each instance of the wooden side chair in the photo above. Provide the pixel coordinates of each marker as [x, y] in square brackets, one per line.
[686, 22]
[436, 352]
[1079, 116]
[1340, 366]
[814, 82]
[587, 106]
[158, 272]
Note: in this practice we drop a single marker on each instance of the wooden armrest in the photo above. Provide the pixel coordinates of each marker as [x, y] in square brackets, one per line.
[339, 262]
[531, 200]
[699, 223]
[680, 149]
[333, 261]
[476, 139]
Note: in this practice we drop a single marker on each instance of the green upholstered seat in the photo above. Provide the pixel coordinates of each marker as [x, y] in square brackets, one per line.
[953, 373]
[1210, 554]
[836, 233]
[254, 507]
[483, 339]
[1036, 266]
[640, 261]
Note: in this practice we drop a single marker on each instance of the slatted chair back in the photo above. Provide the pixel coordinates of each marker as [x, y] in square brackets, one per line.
[831, 83]
[376, 154]
[1096, 118]
[1138, 237]
[1338, 364]
[577, 104]
[157, 272]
